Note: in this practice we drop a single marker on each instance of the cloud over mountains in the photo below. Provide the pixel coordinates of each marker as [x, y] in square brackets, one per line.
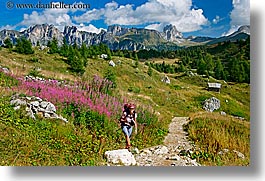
[240, 15]
[152, 14]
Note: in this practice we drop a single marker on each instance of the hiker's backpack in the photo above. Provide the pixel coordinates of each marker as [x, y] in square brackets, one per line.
[125, 112]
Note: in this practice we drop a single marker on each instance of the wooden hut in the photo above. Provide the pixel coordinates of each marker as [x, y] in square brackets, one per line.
[214, 87]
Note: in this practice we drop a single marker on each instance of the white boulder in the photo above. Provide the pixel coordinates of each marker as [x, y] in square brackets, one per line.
[111, 63]
[120, 157]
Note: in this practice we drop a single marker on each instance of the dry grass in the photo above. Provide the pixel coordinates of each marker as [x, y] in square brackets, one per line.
[166, 60]
[214, 134]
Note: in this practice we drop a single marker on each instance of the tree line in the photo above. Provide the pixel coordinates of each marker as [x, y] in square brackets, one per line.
[23, 46]
[229, 61]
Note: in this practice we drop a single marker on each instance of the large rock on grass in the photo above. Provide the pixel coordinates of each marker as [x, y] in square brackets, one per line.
[35, 106]
[120, 157]
[211, 104]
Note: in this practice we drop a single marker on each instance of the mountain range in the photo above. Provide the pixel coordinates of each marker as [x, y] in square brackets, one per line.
[118, 37]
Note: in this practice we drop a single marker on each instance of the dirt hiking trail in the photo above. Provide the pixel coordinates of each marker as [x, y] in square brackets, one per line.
[174, 150]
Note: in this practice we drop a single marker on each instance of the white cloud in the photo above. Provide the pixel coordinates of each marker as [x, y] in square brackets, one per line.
[230, 31]
[89, 16]
[90, 28]
[158, 27]
[123, 15]
[216, 19]
[7, 27]
[58, 17]
[22, 29]
[155, 13]
[240, 15]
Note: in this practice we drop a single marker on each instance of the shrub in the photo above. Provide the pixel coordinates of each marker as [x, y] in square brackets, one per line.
[111, 76]
[92, 129]
[150, 70]
[34, 59]
[35, 73]
[134, 89]
[7, 80]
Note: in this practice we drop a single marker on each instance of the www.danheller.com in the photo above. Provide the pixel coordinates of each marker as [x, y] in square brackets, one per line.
[50, 5]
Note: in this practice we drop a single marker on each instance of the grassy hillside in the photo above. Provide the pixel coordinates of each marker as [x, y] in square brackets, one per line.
[49, 142]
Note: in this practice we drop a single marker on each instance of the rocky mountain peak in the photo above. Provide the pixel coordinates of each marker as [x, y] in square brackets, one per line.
[244, 29]
[42, 33]
[70, 29]
[42, 29]
[116, 37]
[117, 30]
[171, 33]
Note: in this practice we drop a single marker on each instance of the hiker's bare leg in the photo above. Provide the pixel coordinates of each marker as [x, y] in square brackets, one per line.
[128, 142]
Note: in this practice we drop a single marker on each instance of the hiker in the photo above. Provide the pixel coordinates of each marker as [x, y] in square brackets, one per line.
[128, 121]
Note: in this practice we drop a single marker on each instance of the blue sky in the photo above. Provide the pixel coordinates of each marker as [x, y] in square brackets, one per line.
[212, 18]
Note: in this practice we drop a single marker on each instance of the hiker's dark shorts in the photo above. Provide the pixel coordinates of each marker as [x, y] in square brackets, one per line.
[127, 130]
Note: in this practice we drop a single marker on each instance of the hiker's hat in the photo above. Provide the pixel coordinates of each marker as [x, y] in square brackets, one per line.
[131, 106]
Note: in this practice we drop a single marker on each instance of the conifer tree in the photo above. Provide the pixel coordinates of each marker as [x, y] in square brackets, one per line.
[19, 47]
[209, 63]
[27, 46]
[8, 43]
[75, 61]
[64, 50]
[201, 67]
[219, 70]
[150, 70]
[24, 46]
[84, 53]
[53, 46]
[181, 67]
[108, 52]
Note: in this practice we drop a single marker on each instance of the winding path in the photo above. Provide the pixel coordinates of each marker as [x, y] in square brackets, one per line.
[169, 154]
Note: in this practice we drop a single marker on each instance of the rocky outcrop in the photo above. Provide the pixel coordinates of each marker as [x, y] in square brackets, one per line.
[134, 38]
[242, 29]
[211, 104]
[238, 154]
[4, 69]
[35, 106]
[242, 33]
[11, 34]
[171, 33]
[32, 78]
[116, 37]
[111, 63]
[73, 35]
[162, 155]
[104, 56]
[165, 79]
[117, 30]
[121, 157]
[43, 34]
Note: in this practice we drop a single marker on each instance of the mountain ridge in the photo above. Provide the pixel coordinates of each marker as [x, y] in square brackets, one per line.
[118, 37]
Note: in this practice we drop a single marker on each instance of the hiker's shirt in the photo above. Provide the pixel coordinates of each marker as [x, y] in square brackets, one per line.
[129, 119]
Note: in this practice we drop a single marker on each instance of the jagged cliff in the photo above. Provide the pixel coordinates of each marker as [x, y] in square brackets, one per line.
[116, 37]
